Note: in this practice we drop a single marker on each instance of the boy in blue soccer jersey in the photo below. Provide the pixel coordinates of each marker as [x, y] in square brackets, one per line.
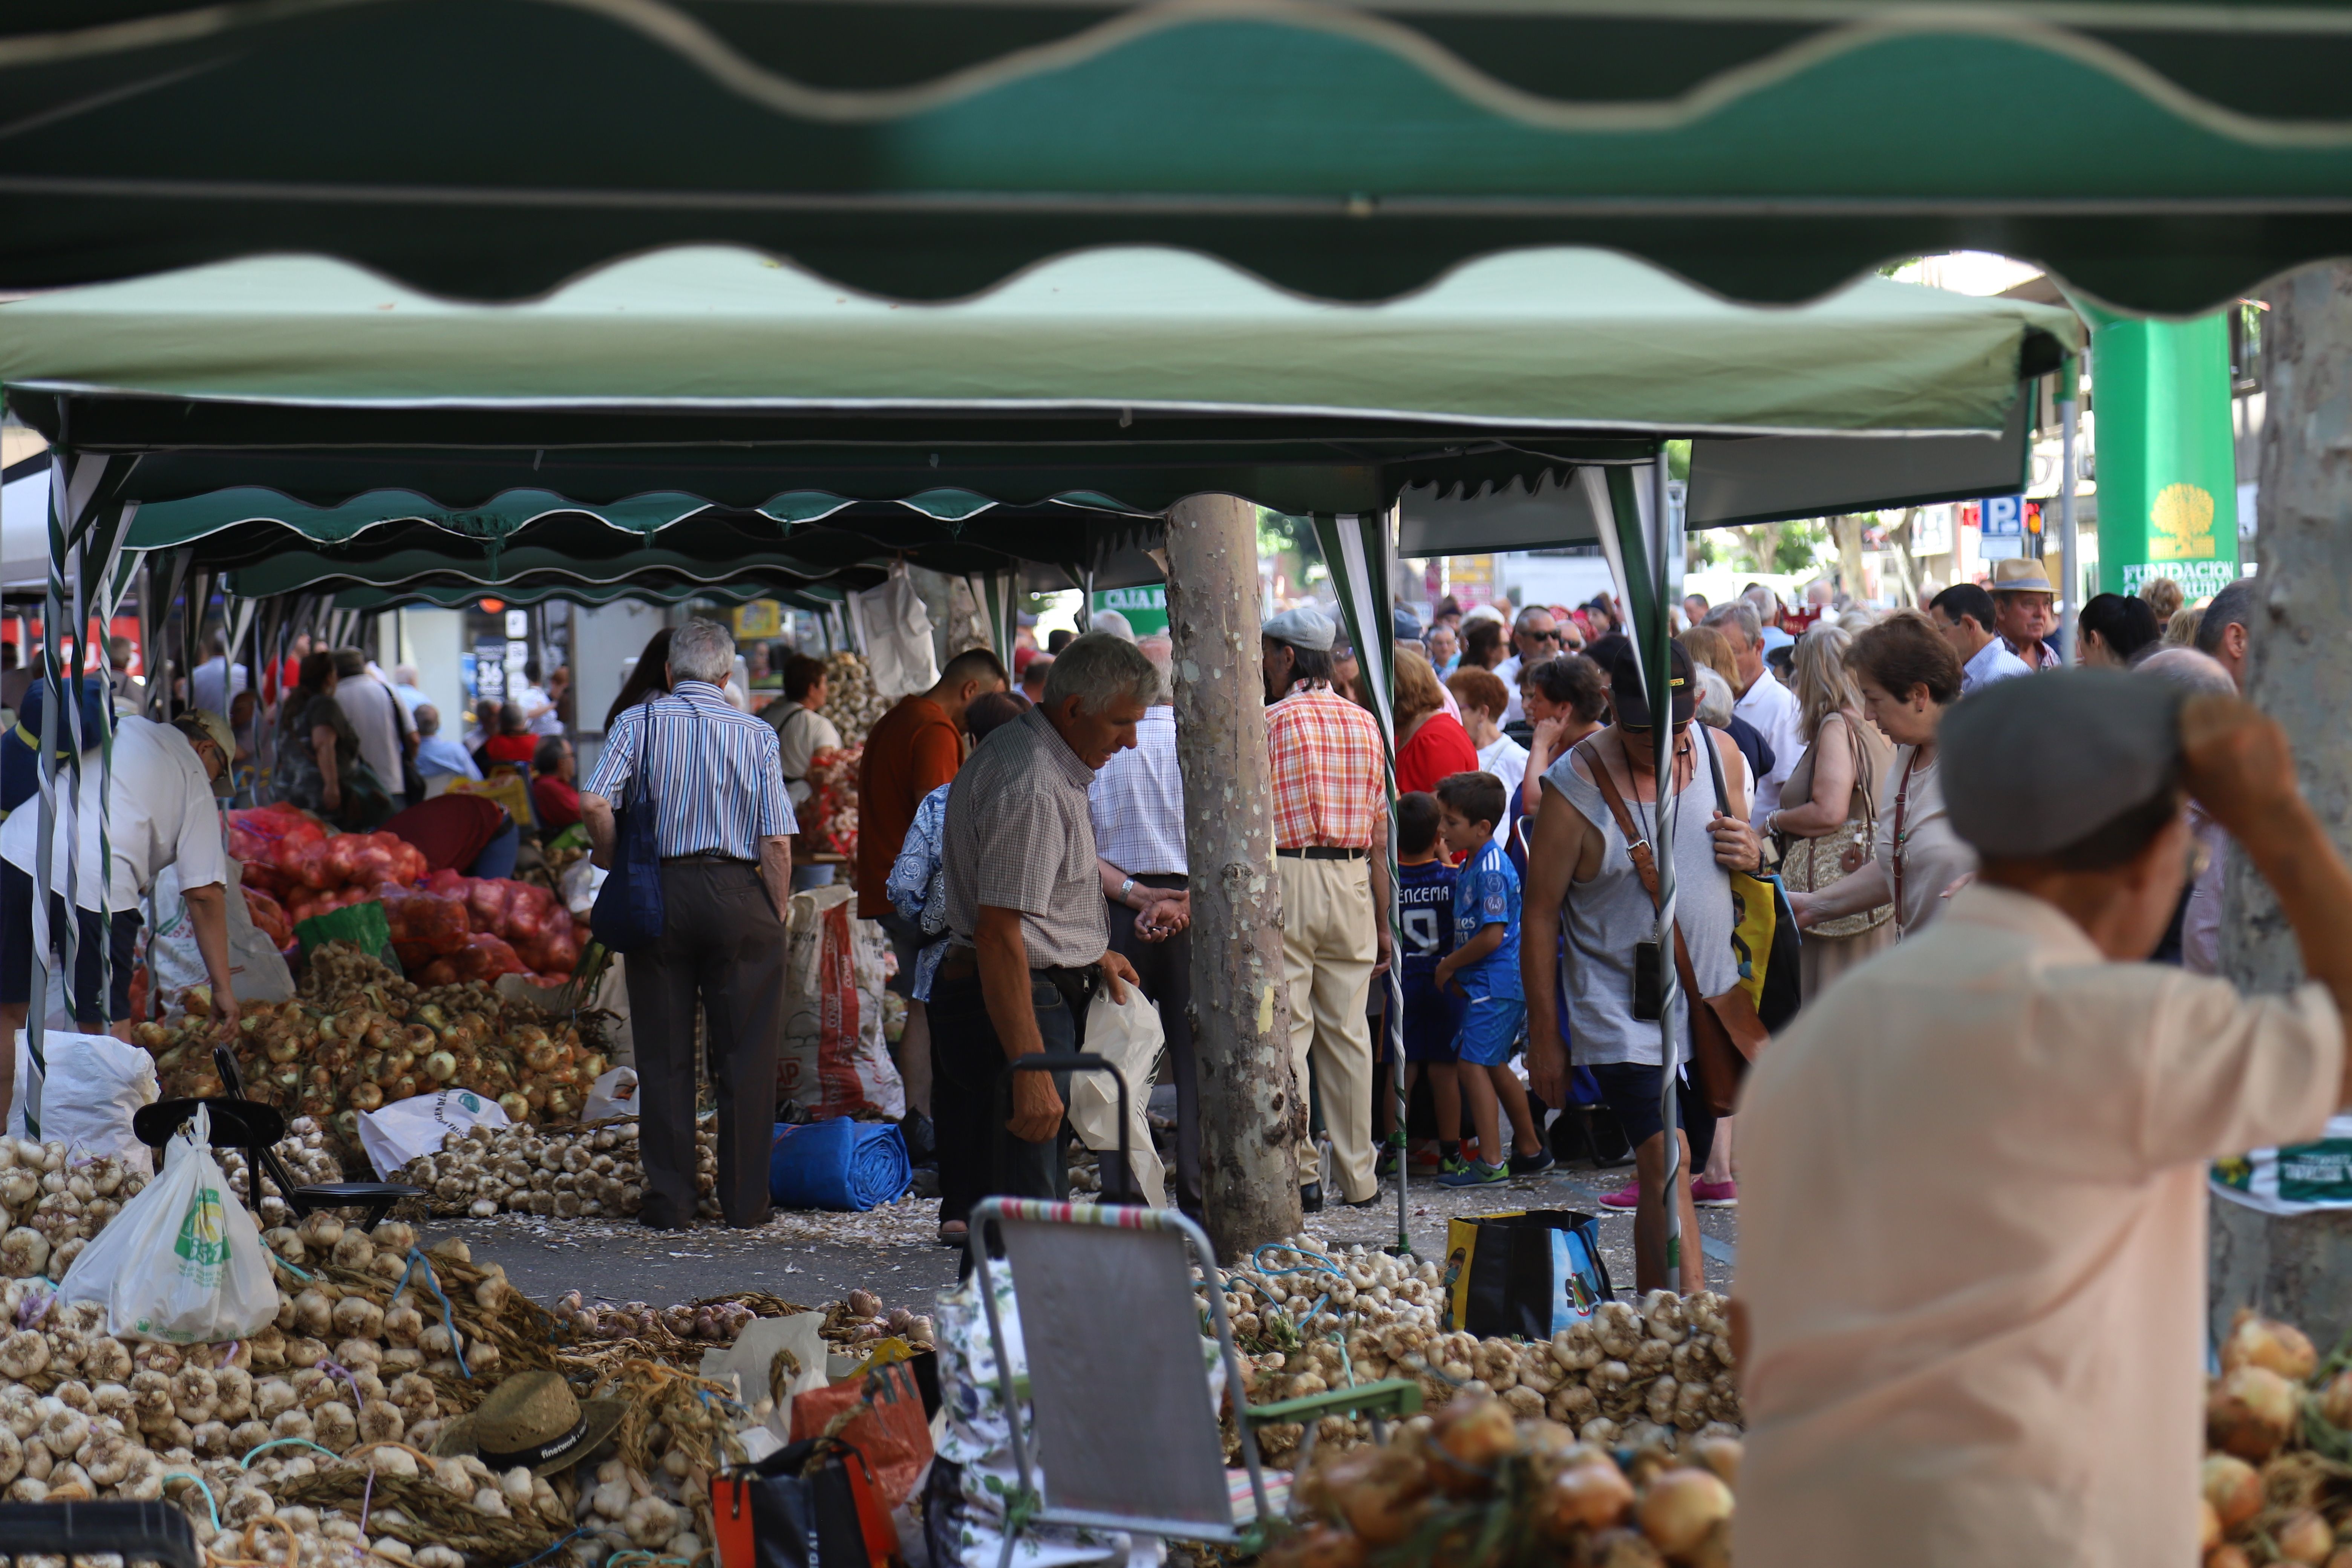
[1484, 969]
[1432, 1015]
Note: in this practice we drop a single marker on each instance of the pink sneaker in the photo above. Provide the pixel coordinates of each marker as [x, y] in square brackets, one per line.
[1626, 1198]
[1709, 1195]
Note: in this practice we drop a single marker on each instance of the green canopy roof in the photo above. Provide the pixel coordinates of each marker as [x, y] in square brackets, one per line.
[1120, 380]
[2160, 153]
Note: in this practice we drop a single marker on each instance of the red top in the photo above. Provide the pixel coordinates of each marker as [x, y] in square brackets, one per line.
[1323, 756]
[911, 751]
[511, 748]
[557, 803]
[450, 830]
[1439, 749]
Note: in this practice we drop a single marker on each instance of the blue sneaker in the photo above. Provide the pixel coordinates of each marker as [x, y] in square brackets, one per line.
[1476, 1174]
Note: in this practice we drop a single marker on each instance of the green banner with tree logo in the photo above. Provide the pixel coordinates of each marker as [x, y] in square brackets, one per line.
[2166, 465]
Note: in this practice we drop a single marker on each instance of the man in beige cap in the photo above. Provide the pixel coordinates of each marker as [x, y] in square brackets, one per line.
[2022, 597]
[1970, 1303]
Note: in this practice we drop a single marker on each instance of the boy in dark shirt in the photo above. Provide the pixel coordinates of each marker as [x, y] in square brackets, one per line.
[1432, 1017]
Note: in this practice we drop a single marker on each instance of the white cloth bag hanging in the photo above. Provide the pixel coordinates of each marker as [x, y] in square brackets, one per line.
[1128, 1036]
[897, 632]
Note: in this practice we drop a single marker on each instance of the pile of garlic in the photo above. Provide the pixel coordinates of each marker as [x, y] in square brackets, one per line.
[52, 1202]
[308, 1157]
[569, 1174]
[1631, 1373]
[625, 1508]
[720, 1322]
[850, 701]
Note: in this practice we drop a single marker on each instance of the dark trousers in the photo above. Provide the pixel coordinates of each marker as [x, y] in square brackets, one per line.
[972, 1099]
[1166, 970]
[721, 945]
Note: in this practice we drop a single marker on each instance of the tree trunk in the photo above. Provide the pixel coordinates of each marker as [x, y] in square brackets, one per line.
[1251, 1107]
[1847, 532]
[2296, 672]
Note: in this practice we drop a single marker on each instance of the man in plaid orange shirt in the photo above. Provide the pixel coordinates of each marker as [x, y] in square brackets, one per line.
[1331, 836]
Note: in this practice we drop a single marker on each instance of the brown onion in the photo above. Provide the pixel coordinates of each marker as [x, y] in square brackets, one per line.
[1317, 1546]
[366, 1097]
[2282, 1348]
[1470, 1436]
[1681, 1506]
[2305, 1537]
[2251, 1412]
[1721, 1454]
[1590, 1495]
[2231, 1487]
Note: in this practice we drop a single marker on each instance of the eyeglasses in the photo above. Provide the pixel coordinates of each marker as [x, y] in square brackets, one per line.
[1541, 637]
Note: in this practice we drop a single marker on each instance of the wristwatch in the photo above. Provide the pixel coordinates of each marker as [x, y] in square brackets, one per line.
[1126, 888]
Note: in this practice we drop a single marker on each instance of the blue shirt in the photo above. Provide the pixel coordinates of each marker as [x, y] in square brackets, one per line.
[437, 754]
[1425, 895]
[714, 776]
[1486, 893]
[918, 886]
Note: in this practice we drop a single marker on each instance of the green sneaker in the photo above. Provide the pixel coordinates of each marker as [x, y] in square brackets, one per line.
[1451, 1165]
[1477, 1174]
[1386, 1165]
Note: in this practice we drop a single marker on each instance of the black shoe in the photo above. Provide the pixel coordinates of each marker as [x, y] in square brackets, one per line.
[1532, 1164]
[1310, 1198]
[1372, 1202]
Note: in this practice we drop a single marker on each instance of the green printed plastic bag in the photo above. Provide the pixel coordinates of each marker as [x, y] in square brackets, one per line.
[362, 925]
[183, 1263]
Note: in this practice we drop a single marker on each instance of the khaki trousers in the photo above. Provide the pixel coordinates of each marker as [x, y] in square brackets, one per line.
[1329, 942]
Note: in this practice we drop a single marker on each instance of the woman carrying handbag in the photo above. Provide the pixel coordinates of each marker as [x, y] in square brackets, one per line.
[1828, 808]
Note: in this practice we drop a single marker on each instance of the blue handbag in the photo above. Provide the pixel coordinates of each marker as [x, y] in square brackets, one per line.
[628, 915]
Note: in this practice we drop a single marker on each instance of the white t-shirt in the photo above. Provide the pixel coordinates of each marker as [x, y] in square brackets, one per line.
[1773, 708]
[1507, 672]
[1507, 760]
[2008, 1368]
[800, 733]
[161, 813]
[381, 721]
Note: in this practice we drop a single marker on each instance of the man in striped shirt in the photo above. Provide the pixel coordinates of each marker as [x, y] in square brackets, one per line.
[709, 773]
[1330, 812]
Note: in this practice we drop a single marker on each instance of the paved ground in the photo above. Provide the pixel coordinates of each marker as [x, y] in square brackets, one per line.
[814, 1259]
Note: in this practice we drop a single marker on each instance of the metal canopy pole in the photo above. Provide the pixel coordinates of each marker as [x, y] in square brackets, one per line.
[2070, 559]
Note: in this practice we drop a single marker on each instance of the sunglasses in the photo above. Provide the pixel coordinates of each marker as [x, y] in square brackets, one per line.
[1541, 637]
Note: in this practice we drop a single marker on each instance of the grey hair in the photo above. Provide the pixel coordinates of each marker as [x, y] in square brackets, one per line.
[1763, 598]
[2233, 607]
[1522, 622]
[1751, 624]
[427, 718]
[701, 650]
[2189, 669]
[1099, 670]
[1714, 698]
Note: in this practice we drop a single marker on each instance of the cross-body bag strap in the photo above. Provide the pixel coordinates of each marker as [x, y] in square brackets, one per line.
[1638, 850]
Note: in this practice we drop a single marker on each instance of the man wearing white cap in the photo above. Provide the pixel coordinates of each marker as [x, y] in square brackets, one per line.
[1330, 810]
[1969, 1315]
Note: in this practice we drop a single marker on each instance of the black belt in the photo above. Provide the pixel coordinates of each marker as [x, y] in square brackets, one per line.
[1322, 852]
[961, 963]
[720, 855]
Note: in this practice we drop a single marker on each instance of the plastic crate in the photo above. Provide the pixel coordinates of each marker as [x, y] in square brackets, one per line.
[139, 1531]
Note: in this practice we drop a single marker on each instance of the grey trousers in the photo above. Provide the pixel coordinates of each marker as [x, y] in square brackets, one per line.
[721, 947]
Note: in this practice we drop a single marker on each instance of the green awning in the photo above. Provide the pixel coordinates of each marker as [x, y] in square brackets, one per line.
[1563, 342]
[2162, 155]
[462, 596]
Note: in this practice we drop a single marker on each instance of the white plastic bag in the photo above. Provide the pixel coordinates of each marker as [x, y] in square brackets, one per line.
[95, 1085]
[1128, 1036]
[183, 1263]
[614, 1094]
[405, 1128]
[256, 969]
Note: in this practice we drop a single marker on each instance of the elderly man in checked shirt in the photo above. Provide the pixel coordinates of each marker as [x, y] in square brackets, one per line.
[1331, 837]
[724, 825]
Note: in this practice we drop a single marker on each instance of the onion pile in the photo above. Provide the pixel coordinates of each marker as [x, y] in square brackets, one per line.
[357, 1037]
[1635, 1375]
[1472, 1486]
[574, 1173]
[859, 1319]
[2278, 1434]
[719, 1323]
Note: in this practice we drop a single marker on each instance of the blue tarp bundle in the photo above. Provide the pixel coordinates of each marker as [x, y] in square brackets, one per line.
[838, 1165]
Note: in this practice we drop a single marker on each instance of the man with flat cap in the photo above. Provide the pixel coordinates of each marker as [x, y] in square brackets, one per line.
[1330, 859]
[1970, 1312]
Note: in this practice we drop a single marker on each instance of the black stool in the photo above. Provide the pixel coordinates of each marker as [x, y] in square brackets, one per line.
[255, 1128]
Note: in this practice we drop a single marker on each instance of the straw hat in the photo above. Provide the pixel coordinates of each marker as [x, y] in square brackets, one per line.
[532, 1419]
[2020, 575]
